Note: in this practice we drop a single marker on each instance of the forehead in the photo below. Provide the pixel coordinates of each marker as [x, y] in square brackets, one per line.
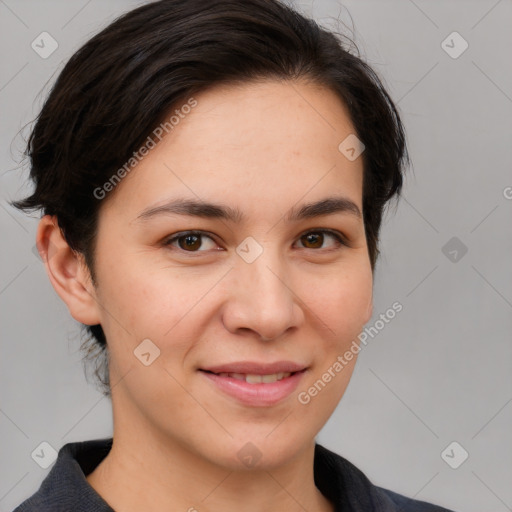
[266, 143]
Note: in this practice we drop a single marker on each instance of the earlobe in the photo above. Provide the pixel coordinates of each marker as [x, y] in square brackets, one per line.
[67, 272]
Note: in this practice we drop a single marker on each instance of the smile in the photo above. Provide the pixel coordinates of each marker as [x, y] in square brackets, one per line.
[256, 379]
[255, 390]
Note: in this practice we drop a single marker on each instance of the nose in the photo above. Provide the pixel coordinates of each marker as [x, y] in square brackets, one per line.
[262, 298]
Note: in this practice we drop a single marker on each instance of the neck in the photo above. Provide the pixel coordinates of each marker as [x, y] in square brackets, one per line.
[142, 472]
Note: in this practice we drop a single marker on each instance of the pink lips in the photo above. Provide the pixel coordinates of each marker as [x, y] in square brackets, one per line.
[258, 394]
[257, 368]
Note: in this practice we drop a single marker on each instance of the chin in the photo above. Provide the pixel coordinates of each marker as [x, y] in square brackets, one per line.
[263, 450]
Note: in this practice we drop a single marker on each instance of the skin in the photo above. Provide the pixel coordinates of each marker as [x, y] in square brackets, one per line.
[263, 147]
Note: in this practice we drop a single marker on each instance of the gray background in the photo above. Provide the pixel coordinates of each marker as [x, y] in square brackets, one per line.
[439, 372]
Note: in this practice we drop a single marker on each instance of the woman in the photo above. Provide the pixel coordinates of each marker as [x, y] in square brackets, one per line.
[213, 176]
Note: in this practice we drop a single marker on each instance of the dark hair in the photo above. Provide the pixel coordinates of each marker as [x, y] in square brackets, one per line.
[119, 86]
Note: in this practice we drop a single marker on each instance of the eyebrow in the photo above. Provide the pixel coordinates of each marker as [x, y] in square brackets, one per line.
[198, 208]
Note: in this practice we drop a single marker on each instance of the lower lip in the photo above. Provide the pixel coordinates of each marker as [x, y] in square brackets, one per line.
[260, 394]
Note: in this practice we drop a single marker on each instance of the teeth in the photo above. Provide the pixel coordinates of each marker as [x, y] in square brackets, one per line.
[237, 376]
[256, 379]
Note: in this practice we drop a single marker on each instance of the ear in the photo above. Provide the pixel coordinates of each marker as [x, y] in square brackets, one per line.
[68, 272]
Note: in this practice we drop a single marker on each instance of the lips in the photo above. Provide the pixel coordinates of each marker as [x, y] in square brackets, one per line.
[252, 378]
[256, 384]
[256, 390]
[254, 368]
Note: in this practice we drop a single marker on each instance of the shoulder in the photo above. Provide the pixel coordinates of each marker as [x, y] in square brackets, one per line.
[65, 487]
[349, 488]
[404, 504]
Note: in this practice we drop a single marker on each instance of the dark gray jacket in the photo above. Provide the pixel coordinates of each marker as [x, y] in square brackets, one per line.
[65, 488]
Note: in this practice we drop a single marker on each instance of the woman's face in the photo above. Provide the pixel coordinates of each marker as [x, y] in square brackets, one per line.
[268, 286]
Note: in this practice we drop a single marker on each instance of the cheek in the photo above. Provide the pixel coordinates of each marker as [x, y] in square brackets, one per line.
[341, 302]
[344, 308]
[168, 306]
[145, 297]
[341, 306]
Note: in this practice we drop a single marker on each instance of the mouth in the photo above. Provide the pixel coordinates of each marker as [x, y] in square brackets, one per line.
[256, 368]
[252, 378]
[256, 388]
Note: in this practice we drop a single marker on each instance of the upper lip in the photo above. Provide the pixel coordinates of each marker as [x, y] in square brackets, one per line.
[255, 368]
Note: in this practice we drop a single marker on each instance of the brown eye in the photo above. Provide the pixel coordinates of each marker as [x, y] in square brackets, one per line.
[315, 239]
[189, 241]
[194, 241]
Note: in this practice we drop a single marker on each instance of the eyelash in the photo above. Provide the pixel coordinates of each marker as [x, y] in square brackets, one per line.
[336, 235]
